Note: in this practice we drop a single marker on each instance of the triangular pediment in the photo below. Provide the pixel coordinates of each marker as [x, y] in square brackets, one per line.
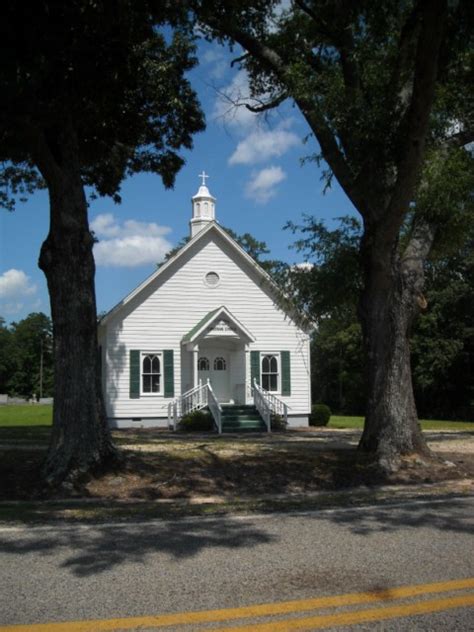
[219, 323]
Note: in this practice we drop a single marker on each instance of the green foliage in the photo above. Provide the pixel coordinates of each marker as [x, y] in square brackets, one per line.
[331, 281]
[350, 69]
[109, 76]
[26, 357]
[445, 197]
[197, 421]
[386, 90]
[443, 341]
[337, 361]
[320, 415]
[277, 423]
[7, 356]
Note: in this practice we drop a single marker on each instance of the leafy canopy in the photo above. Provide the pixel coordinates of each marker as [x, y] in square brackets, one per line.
[112, 74]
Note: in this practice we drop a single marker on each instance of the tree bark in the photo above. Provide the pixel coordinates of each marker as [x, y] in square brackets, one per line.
[80, 439]
[391, 300]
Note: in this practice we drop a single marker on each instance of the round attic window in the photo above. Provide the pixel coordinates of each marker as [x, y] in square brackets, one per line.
[212, 279]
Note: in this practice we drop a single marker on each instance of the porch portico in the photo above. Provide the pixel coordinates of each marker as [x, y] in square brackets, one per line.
[217, 349]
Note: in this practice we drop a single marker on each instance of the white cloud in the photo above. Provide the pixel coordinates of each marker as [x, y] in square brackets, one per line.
[15, 283]
[258, 143]
[237, 117]
[262, 186]
[304, 265]
[261, 145]
[130, 243]
[15, 287]
[216, 61]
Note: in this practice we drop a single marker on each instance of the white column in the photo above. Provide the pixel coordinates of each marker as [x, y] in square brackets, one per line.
[195, 365]
[247, 375]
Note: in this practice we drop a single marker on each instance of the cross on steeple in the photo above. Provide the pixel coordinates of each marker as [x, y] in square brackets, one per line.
[203, 175]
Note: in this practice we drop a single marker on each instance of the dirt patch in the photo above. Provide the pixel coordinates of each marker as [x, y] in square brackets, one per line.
[164, 466]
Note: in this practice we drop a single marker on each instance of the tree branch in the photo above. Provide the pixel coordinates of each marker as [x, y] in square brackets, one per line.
[274, 63]
[460, 139]
[309, 12]
[408, 35]
[414, 128]
[238, 60]
[414, 257]
[266, 106]
[420, 243]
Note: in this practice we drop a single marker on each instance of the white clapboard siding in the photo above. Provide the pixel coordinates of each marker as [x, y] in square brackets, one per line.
[160, 315]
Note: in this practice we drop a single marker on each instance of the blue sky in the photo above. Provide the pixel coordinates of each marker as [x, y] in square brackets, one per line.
[255, 170]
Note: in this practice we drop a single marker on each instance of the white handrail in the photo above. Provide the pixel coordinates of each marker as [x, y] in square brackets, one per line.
[214, 407]
[262, 406]
[194, 399]
[268, 404]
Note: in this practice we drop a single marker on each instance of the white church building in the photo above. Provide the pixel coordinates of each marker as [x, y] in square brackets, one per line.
[208, 329]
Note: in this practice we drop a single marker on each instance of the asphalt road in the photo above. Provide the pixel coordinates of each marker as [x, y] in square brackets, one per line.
[74, 573]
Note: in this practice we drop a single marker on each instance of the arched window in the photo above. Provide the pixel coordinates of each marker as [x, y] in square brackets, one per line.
[203, 364]
[270, 373]
[151, 373]
[198, 209]
[219, 364]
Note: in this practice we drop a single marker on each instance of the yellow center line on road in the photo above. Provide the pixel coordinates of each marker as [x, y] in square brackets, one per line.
[259, 610]
[360, 616]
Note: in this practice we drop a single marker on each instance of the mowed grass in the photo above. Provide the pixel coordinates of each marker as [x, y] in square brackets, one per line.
[14, 419]
[357, 423]
[26, 415]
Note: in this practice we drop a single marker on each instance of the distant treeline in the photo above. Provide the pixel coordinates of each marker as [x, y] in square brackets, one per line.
[26, 362]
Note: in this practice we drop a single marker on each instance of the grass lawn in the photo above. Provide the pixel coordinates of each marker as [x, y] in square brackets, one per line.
[39, 415]
[26, 415]
[427, 424]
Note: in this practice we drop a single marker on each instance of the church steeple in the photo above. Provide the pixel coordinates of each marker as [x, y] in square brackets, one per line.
[204, 207]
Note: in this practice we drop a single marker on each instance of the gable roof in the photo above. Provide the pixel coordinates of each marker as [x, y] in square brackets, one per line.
[211, 318]
[284, 302]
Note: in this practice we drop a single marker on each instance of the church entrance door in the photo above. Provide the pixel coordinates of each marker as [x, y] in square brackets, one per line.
[214, 365]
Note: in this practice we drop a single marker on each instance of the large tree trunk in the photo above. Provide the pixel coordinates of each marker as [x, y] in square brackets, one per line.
[80, 440]
[390, 302]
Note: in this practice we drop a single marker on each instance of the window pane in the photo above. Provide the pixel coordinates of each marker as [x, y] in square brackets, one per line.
[203, 364]
[147, 383]
[155, 383]
[273, 382]
[273, 365]
[265, 381]
[146, 364]
[155, 365]
[265, 364]
[219, 364]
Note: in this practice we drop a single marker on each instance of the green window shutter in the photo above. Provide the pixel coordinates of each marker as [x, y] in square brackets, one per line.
[134, 374]
[168, 363]
[255, 366]
[285, 373]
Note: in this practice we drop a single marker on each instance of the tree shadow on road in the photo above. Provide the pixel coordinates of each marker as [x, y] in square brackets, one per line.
[448, 515]
[95, 549]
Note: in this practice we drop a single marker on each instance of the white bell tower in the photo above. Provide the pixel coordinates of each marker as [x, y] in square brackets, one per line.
[204, 207]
